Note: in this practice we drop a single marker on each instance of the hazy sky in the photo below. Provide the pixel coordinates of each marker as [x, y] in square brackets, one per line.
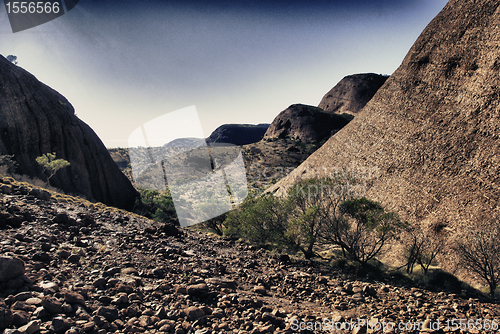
[124, 63]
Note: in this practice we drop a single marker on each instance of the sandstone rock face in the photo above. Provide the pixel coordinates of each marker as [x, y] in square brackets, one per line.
[433, 130]
[238, 134]
[352, 93]
[35, 119]
[305, 123]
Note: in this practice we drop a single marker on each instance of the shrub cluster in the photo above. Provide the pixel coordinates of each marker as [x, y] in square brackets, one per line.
[326, 211]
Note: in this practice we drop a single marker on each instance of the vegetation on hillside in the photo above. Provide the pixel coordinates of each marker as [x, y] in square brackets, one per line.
[479, 252]
[157, 205]
[316, 212]
[51, 165]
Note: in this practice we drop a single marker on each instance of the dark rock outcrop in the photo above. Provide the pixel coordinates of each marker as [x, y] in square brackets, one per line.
[238, 134]
[35, 119]
[305, 123]
[433, 130]
[352, 93]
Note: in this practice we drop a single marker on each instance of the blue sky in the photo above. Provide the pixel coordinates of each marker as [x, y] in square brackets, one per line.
[122, 64]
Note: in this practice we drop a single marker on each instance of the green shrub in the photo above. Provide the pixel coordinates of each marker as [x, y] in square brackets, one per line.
[9, 164]
[362, 228]
[158, 206]
[260, 220]
[317, 211]
[50, 164]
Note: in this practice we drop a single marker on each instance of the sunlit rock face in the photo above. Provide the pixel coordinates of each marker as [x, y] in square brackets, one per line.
[432, 132]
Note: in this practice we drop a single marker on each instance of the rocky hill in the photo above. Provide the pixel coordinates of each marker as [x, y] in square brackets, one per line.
[35, 119]
[305, 123]
[70, 266]
[431, 134]
[238, 134]
[352, 93]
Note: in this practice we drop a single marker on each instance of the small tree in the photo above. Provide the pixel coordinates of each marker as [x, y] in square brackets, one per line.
[158, 206]
[50, 164]
[210, 209]
[479, 252]
[315, 203]
[362, 229]
[12, 59]
[10, 165]
[422, 247]
[260, 220]
[216, 224]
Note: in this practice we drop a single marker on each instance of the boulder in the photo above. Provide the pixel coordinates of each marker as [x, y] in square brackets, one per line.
[305, 123]
[352, 93]
[10, 267]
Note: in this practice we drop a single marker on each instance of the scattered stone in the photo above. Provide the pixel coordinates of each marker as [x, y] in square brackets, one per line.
[10, 267]
[260, 289]
[34, 301]
[23, 295]
[100, 282]
[40, 194]
[49, 286]
[194, 312]
[6, 189]
[51, 304]
[64, 254]
[198, 290]
[72, 297]
[74, 258]
[222, 283]
[60, 325]
[108, 312]
[130, 271]
[31, 327]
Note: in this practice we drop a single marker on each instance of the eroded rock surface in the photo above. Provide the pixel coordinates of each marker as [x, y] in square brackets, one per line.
[352, 93]
[431, 134]
[35, 119]
[305, 123]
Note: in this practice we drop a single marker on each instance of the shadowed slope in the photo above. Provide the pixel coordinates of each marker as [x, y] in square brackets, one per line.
[35, 119]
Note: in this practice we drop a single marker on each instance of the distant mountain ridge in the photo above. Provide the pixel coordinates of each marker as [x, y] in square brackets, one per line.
[238, 134]
[186, 142]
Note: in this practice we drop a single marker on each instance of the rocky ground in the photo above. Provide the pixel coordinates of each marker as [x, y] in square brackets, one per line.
[75, 268]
